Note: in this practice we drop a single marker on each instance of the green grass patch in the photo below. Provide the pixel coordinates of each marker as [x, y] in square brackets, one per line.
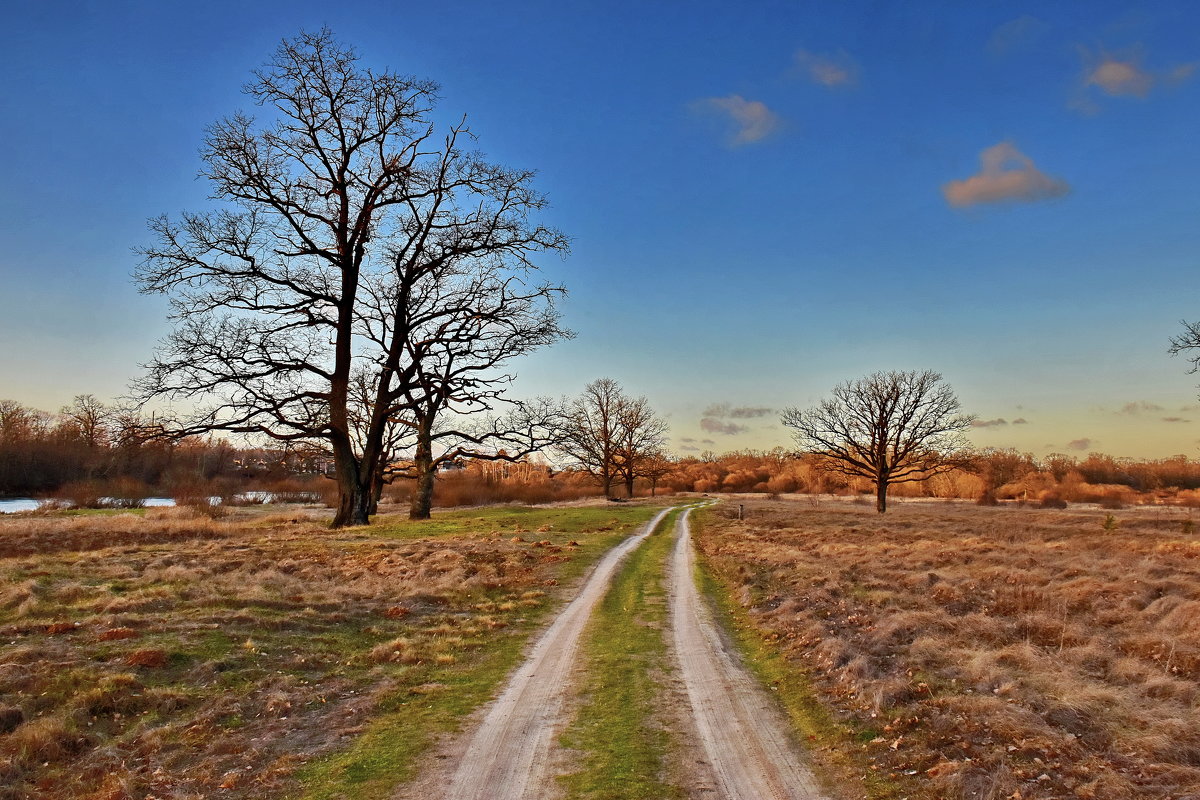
[622, 751]
[815, 726]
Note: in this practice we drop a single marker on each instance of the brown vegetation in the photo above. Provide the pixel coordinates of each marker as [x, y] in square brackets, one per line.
[173, 655]
[991, 475]
[991, 653]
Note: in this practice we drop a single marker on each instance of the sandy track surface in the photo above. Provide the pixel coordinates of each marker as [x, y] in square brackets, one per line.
[510, 754]
[741, 729]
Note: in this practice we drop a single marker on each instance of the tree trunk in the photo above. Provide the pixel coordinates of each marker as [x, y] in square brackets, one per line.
[629, 486]
[377, 488]
[354, 498]
[606, 480]
[881, 487]
[422, 499]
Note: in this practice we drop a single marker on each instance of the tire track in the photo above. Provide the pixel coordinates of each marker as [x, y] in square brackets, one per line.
[510, 754]
[743, 734]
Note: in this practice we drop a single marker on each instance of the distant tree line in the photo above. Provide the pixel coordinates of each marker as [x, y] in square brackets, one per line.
[570, 446]
[88, 442]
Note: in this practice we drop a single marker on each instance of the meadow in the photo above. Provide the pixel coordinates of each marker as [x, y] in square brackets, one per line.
[182, 652]
[960, 651]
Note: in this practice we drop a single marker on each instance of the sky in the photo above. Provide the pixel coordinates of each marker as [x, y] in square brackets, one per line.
[765, 199]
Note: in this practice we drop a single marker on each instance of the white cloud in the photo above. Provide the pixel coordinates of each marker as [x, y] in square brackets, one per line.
[753, 119]
[832, 72]
[1006, 174]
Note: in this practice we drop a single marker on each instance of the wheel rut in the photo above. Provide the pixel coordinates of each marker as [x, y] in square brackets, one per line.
[742, 731]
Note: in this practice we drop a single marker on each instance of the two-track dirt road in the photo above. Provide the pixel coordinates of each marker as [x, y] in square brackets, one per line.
[509, 755]
[512, 754]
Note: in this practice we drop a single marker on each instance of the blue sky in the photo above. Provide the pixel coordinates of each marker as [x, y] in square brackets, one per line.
[765, 199]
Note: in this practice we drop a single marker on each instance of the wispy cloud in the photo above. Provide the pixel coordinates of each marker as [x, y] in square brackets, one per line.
[714, 425]
[835, 71]
[736, 412]
[1139, 407]
[1006, 174]
[752, 120]
[1175, 419]
[1020, 421]
[1121, 76]
[998, 422]
[1016, 33]
[1081, 444]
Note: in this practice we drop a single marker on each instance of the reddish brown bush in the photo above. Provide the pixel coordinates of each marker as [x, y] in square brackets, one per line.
[113, 634]
[149, 658]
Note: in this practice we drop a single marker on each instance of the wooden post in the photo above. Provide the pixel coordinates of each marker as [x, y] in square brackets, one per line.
[741, 511]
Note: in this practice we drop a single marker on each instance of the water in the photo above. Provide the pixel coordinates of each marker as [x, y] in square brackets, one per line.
[29, 504]
[20, 504]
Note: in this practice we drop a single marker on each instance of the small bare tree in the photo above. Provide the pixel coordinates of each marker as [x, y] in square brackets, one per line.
[589, 435]
[889, 427]
[640, 437]
[609, 435]
[655, 467]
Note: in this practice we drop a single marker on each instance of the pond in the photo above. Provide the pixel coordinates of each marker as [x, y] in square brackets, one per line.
[14, 505]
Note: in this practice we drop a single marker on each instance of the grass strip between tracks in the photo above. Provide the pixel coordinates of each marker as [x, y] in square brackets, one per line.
[622, 750]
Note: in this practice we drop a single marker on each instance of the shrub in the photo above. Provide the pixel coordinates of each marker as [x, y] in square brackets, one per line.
[1051, 500]
[987, 498]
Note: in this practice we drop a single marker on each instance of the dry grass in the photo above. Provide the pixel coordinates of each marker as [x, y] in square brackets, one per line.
[177, 656]
[988, 653]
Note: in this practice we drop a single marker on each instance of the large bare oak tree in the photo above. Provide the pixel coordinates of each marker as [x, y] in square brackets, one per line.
[335, 207]
[889, 427]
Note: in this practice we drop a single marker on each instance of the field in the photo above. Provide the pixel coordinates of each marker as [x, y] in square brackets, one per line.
[960, 651]
[174, 655]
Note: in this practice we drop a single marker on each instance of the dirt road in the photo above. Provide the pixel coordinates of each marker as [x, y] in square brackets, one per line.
[740, 727]
[510, 755]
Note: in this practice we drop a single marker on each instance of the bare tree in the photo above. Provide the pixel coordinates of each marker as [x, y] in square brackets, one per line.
[889, 427]
[589, 435]
[90, 418]
[655, 467]
[467, 318]
[346, 187]
[1188, 342]
[640, 435]
[610, 435]
[523, 429]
